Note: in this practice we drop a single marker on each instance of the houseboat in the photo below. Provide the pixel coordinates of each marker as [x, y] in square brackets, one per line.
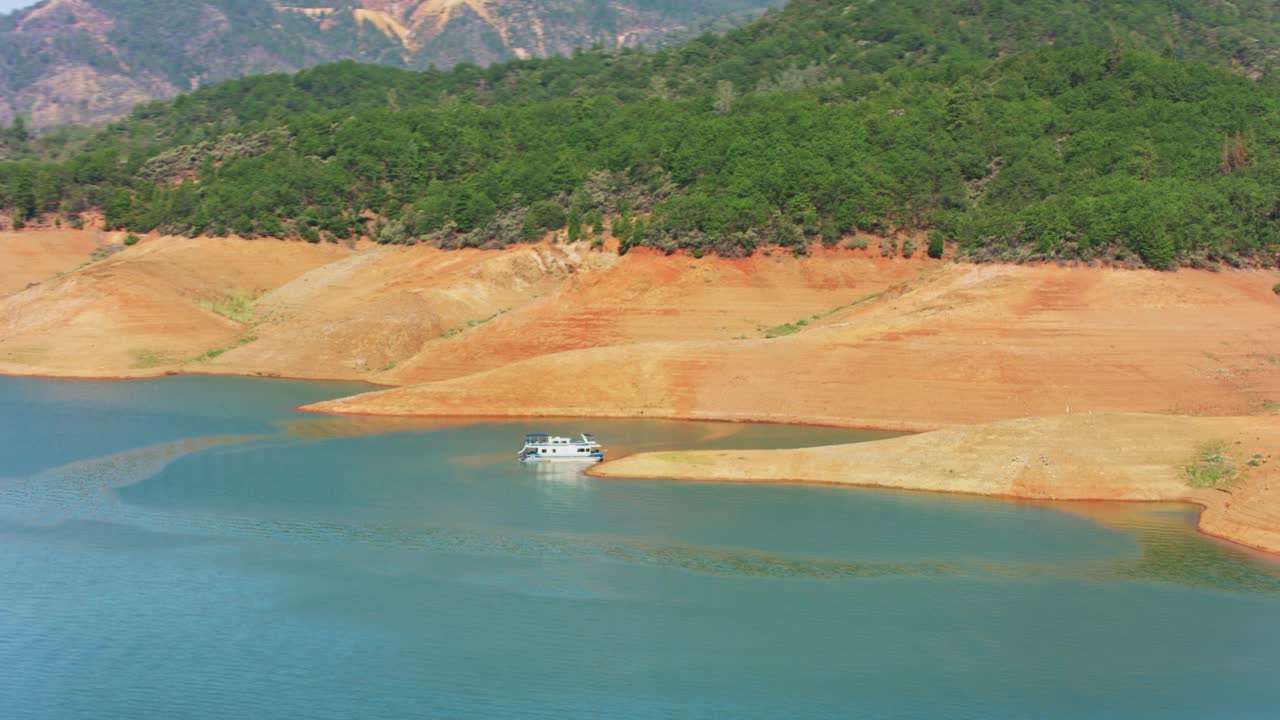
[550, 448]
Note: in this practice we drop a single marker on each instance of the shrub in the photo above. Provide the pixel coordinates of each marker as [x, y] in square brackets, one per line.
[547, 215]
[1210, 468]
[1276, 288]
[392, 233]
[936, 244]
[830, 233]
[908, 248]
[131, 239]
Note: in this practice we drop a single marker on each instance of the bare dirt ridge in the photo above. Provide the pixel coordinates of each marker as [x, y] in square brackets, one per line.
[840, 337]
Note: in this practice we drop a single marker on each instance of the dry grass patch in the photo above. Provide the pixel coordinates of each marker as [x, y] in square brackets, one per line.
[144, 358]
[1211, 467]
[237, 305]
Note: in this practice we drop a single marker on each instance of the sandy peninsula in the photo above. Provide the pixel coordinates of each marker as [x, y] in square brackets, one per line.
[837, 337]
[1228, 465]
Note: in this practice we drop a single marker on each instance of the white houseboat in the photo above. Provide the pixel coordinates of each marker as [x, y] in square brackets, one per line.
[550, 448]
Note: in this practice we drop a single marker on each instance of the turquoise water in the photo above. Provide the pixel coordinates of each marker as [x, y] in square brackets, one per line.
[192, 548]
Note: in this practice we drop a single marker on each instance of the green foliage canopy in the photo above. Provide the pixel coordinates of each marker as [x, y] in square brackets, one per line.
[852, 116]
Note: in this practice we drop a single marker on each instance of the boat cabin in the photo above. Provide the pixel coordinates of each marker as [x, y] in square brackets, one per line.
[540, 447]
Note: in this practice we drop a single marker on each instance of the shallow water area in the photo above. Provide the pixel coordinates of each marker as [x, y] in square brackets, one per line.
[193, 547]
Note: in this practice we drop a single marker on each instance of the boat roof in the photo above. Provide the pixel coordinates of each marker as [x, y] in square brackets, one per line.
[537, 438]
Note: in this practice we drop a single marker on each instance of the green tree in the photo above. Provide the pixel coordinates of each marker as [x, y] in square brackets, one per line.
[936, 244]
[473, 210]
[19, 131]
[575, 225]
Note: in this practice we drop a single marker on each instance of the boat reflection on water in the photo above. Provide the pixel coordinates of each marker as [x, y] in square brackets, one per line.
[561, 474]
[564, 487]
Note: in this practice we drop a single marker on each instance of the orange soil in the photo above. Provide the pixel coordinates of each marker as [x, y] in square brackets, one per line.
[648, 297]
[956, 344]
[362, 316]
[139, 311]
[33, 257]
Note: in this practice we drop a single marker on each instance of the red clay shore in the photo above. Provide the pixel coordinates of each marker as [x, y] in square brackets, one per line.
[839, 338]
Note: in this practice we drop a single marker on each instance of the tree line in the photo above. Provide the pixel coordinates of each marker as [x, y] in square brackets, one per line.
[1079, 152]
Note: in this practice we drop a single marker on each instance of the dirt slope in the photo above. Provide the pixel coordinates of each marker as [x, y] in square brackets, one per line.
[262, 307]
[646, 296]
[1068, 457]
[361, 316]
[957, 344]
[27, 258]
[145, 309]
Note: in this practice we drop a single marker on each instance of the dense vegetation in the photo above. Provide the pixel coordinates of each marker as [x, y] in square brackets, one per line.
[1139, 135]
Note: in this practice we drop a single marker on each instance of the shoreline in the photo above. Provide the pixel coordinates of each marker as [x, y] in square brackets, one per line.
[876, 425]
[1199, 505]
[1202, 499]
[1126, 457]
[835, 339]
[156, 373]
[728, 418]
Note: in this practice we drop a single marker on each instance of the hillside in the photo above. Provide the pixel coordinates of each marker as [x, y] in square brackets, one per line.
[1134, 134]
[88, 61]
[839, 336]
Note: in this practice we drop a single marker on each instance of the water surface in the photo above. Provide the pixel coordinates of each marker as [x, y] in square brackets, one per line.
[191, 547]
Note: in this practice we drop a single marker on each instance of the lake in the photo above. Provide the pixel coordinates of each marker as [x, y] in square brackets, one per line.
[194, 548]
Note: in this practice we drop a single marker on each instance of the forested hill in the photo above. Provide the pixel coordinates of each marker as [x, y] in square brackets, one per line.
[1144, 131]
[89, 61]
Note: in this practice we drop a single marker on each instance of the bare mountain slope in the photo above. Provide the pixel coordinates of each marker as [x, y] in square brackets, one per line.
[85, 61]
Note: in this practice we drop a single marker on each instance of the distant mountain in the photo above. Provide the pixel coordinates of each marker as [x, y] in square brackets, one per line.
[86, 61]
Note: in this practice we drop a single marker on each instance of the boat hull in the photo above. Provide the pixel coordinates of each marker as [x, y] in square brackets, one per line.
[536, 459]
